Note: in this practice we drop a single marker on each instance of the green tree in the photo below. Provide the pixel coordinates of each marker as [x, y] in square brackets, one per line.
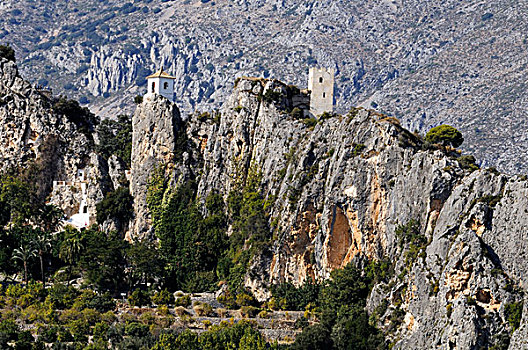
[145, 263]
[80, 116]
[7, 52]
[24, 254]
[103, 259]
[115, 137]
[17, 198]
[346, 288]
[252, 340]
[50, 217]
[314, 337]
[355, 333]
[42, 244]
[71, 248]
[115, 205]
[445, 135]
[139, 298]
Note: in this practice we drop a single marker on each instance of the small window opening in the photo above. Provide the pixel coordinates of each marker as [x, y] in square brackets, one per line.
[165, 85]
[153, 86]
[321, 79]
[85, 210]
[324, 94]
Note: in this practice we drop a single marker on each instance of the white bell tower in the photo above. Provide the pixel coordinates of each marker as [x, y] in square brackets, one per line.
[161, 83]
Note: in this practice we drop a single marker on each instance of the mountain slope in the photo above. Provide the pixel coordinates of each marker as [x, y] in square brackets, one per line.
[461, 63]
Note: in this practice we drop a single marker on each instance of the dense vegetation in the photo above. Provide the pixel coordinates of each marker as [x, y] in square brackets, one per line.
[115, 138]
[87, 271]
[195, 249]
[85, 120]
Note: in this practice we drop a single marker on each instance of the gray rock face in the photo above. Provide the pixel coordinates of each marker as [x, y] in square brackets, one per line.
[31, 134]
[340, 191]
[29, 129]
[155, 124]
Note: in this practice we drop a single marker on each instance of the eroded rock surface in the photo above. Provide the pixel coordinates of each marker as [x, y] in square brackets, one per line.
[342, 188]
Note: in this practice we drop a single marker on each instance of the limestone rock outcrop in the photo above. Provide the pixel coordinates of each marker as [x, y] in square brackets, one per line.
[342, 189]
[156, 125]
[60, 151]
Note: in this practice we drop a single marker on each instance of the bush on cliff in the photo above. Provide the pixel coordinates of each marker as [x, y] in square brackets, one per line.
[7, 52]
[445, 135]
[115, 138]
[80, 116]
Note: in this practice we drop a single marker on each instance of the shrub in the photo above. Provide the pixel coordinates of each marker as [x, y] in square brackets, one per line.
[467, 162]
[410, 234]
[264, 314]
[163, 297]
[296, 113]
[138, 99]
[180, 311]
[7, 52]
[139, 298]
[61, 297]
[184, 301]
[445, 135]
[203, 309]
[357, 148]
[513, 313]
[310, 122]
[249, 311]
[271, 96]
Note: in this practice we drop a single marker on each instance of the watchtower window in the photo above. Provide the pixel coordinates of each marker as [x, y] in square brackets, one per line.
[85, 210]
[153, 86]
[324, 94]
[321, 79]
[165, 85]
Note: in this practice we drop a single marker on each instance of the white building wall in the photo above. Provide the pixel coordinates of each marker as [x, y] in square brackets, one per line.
[161, 86]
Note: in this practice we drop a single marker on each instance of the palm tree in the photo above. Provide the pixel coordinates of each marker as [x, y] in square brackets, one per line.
[50, 217]
[24, 254]
[42, 243]
[71, 248]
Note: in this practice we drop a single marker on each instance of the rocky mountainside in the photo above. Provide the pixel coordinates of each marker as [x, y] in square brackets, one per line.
[461, 63]
[51, 140]
[358, 187]
[353, 188]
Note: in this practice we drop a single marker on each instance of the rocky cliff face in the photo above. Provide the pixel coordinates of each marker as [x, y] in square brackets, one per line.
[48, 144]
[349, 188]
[358, 187]
[156, 125]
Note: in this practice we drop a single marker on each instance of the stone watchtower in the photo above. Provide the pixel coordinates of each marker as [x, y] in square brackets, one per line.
[161, 83]
[321, 85]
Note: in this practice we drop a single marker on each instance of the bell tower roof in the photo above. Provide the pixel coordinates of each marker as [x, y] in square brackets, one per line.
[161, 74]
